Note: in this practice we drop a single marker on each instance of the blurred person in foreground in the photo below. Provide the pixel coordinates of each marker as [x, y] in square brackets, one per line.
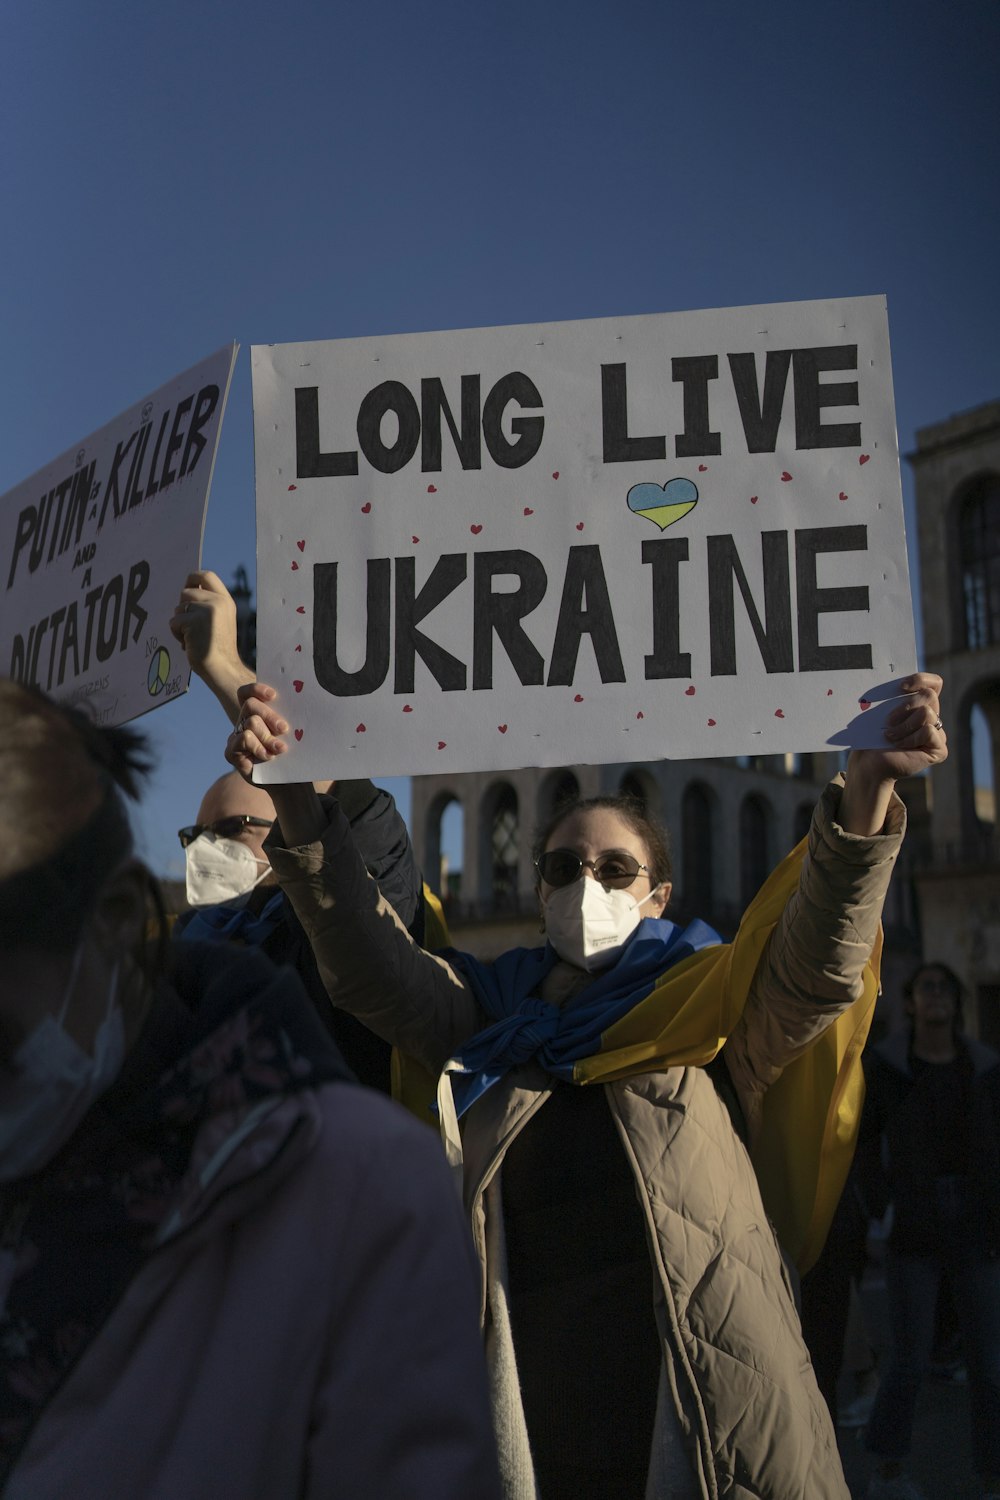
[224, 1269]
[930, 1152]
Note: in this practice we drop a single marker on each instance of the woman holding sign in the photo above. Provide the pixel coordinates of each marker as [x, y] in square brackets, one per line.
[639, 1324]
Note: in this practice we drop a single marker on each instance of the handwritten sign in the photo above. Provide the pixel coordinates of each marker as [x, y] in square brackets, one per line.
[94, 547]
[619, 539]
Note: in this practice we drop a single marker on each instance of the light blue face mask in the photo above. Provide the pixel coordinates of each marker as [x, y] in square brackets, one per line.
[51, 1082]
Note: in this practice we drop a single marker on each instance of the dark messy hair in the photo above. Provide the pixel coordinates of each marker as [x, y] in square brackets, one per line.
[63, 784]
[632, 812]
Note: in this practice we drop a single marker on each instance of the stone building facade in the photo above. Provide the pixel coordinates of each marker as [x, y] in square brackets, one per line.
[956, 468]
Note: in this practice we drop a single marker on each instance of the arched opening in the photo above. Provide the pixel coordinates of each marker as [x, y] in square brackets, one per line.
[983, 762]
[979, 560]
[556, 790]
[803, 818]
[502, 851]
[451, 852]
[696, 852]
[443, 845]
[630, 786]
[755, 852]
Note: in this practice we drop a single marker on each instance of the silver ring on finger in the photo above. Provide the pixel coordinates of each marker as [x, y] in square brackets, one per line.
[938, 724]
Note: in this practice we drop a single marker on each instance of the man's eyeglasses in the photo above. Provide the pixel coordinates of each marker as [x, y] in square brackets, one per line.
[224, 828]
[616, 869]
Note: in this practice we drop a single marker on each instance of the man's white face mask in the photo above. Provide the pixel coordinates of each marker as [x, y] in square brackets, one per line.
[221, 872]
[587, 925]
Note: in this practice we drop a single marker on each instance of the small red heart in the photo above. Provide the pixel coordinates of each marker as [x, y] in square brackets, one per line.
[295, 566]
[640, 714]
[711, 723]
[415, 539]
[841, 496]
[864, 457]
[298, 734]
[579, 525]
[301, 545]
[864, 705]
[785, 476]
[475, 530]
[407, 709]
[366, 507]
[528, 511]
[432, 489]
[779, 713]
[301, 610]
[298, 685]
[502, 728]
[293, 487]
[360, 729]
[555, 473]
[689, 691]
[578, 698]
[703, 468]
[753, 499]
[298, 648]
[442, 744]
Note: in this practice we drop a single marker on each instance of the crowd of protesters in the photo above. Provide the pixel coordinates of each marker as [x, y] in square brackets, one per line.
[231, 1266]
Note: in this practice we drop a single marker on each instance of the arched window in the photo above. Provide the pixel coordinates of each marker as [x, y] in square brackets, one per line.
[696, 851]
[803, 818]
[983, 786]
[451, 844]
[979, 560]
[566, 789]
[503, 848]
[755, 855]
[442, 858]
[631, 786]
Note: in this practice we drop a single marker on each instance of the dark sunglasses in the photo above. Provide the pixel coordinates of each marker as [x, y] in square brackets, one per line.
[616, 869]
[225, 828]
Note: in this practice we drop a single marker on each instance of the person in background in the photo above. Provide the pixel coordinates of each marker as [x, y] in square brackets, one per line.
[225, 1269]
[639, 1324]
[930, 1149]
[230, 886]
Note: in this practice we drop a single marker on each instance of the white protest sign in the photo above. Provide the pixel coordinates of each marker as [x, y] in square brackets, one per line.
[95, 547]
[614, 540]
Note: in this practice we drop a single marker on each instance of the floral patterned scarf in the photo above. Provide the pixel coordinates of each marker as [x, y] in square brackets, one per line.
[226, 1042]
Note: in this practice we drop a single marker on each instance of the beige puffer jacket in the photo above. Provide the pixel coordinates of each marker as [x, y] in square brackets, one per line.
[737, 1390]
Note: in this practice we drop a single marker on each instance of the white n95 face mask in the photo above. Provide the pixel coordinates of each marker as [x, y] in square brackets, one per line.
[587, 925]
[51, 1082]
[221, 872]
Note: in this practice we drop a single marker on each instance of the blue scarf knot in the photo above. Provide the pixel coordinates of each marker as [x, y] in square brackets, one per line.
[528, 1029]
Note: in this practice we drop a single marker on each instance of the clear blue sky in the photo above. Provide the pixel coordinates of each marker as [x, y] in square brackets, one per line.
[176, 176]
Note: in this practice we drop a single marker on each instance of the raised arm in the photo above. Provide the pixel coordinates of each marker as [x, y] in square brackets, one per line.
[812, 968]
[915, 741]
[204, 622]
[369, 964]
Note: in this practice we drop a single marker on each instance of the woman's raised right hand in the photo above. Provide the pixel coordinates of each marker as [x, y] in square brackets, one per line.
[256, 737]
